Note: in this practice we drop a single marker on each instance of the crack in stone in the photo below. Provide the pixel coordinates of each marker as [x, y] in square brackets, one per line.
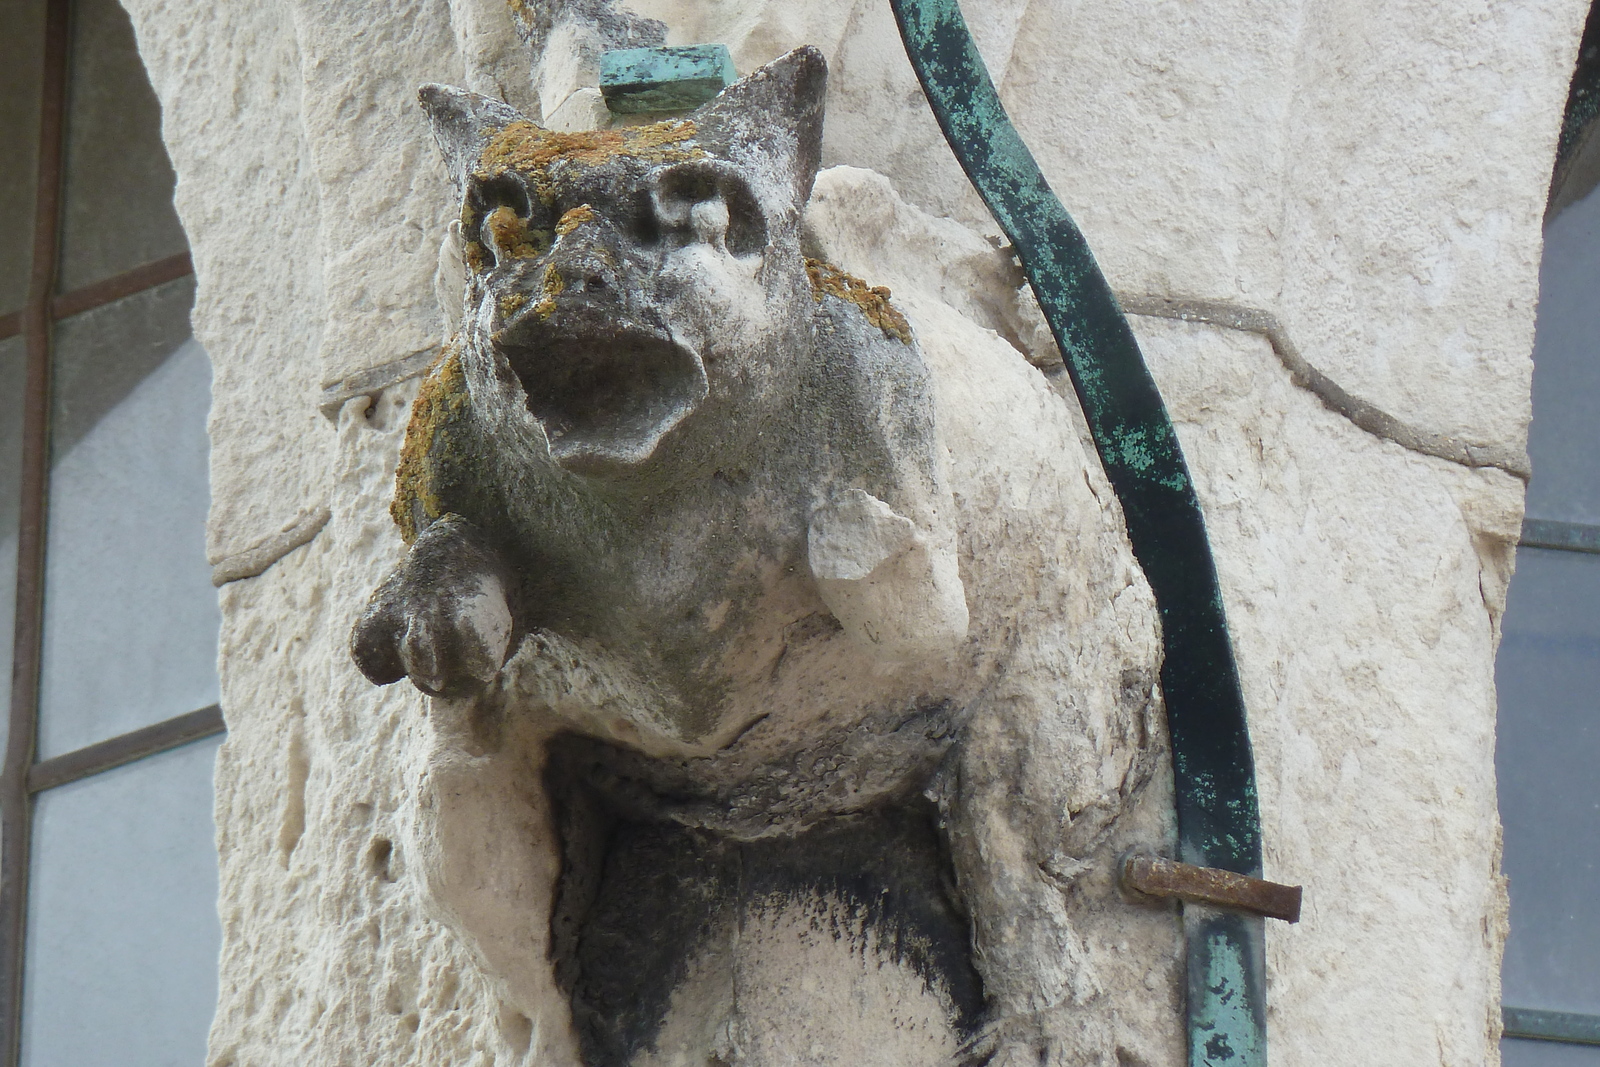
[1364, 415]
[269, 550]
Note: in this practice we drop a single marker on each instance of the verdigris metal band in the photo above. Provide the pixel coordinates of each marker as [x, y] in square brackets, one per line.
[1218, 821]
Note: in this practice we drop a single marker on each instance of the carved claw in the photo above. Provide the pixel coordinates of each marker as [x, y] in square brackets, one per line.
[440, 619]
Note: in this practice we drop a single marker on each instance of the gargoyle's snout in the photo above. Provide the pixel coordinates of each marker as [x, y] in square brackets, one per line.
[583, 271]
[606, 382]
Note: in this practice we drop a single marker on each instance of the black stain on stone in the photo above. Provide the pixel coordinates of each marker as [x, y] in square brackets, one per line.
[641, 898]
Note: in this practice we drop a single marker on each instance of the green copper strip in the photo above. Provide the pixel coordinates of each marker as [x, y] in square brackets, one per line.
[1218, 822]
[637, 81]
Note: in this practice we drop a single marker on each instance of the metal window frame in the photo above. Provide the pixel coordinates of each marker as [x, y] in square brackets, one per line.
[22, 776]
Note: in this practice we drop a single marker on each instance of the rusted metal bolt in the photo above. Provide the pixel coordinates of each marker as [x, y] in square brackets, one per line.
[1158, 878]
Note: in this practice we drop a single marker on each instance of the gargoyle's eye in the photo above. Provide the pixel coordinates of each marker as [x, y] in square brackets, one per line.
[498, 223]
[708, 202]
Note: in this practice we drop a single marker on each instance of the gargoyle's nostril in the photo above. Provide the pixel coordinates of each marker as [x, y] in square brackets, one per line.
[594, 283]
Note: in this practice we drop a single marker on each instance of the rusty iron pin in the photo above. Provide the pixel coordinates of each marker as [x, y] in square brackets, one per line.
[1153, 876]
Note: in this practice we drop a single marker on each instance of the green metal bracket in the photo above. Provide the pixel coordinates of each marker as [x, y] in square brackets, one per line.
[1567, 1027]
[638, 80]
[1218, 822]
[1561, 536]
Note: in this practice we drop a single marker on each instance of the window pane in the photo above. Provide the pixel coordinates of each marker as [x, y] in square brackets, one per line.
[21, 68]
[131, 618]
[118, 206]
[1566, 380]
[1548, 754]
[1515, 1052]
[122, 917]
[13, 355]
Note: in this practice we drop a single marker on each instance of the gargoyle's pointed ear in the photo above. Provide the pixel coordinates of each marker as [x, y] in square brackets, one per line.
[771, 121]
[462, 124]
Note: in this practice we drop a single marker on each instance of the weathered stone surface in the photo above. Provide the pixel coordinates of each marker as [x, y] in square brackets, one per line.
[1396, 563]
[249, 203]
[327, 956]
[314, 204]
[1369, 174]
[1372, 175]
[1363, 586]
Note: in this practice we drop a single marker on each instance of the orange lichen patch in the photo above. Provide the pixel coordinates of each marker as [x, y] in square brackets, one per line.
[549, 289]
[530, 149]
[440, 400]
[873, 300]
[510, 303]
[477, 257]
[573, 219]
[512, 235]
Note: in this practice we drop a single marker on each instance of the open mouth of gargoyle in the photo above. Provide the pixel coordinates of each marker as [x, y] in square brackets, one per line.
[606, 390]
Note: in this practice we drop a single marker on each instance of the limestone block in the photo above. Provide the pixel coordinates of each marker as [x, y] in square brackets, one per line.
[882, 579]
[1367, 174]
[584, 109]
[1377, 698]
[327, 955]
[240, 152]
[1416, 164]
[304, 122]
[382, 206]
[494, 58]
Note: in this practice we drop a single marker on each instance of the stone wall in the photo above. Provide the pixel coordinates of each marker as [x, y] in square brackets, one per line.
[1327, 220]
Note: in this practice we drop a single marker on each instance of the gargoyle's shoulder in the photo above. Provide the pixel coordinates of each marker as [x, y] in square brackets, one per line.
[431, 434]
[873, 300]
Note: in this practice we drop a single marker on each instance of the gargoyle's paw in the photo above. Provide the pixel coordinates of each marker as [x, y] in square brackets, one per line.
[375, 645]
[456, 647]
[453, 646]
[442, 618]
[446, 647]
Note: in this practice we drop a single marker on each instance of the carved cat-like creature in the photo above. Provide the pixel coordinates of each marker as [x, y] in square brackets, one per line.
[683, 549]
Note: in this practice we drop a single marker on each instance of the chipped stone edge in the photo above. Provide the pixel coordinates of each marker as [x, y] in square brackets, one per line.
[264, 553]
[374, 380]
[1379, 423]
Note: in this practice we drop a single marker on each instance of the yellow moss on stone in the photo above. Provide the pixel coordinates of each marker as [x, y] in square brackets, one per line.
[530, 149]
[512, 235]
[440, 399]
[549, 289]
[873, 300]
[477, 257]
[510, 303]
[574, 218]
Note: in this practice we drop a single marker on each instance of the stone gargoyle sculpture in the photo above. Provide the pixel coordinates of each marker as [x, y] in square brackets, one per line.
[794, 683]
